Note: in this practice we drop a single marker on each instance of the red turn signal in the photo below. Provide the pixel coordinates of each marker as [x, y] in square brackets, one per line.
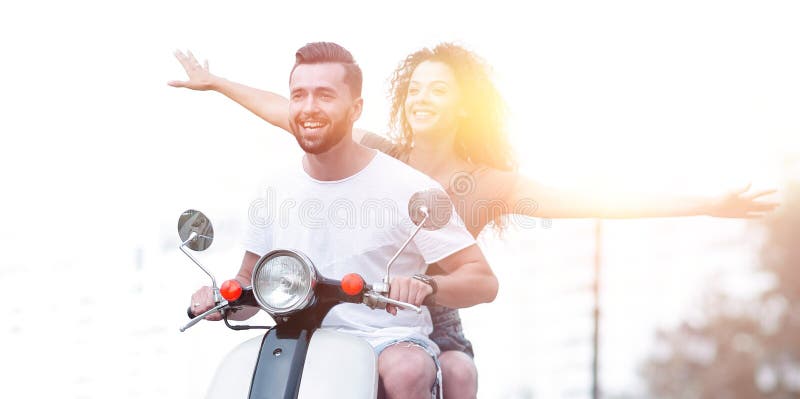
[231, 290]
[352, 284]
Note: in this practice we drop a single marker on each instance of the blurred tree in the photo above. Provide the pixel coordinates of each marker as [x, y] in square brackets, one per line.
[741, 349]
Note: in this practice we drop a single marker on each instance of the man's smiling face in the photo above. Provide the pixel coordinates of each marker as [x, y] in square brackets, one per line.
[321, 108]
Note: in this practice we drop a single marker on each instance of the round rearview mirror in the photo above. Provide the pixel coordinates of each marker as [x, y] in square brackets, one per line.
[193, 221]
[433, 202]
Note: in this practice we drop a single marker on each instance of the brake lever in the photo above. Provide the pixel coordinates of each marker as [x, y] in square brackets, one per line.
[383, 299]
[203, 315]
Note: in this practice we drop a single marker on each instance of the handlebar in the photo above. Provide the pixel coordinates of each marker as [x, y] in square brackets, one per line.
[219, 308]
[373, 296]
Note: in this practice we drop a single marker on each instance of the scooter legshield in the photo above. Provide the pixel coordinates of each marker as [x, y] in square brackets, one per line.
[337, 365]
[235, 372]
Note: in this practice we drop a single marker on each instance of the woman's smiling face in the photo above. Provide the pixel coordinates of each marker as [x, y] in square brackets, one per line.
[433, 101]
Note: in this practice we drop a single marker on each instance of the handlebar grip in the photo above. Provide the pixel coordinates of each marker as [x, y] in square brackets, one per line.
[189, 312]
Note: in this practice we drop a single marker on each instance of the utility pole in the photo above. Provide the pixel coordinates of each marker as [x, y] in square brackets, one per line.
[598, 233]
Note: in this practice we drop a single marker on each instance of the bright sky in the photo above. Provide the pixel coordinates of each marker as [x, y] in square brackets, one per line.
[99, 157]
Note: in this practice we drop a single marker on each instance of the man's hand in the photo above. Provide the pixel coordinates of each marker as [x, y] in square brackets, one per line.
[741, 203]
[202, 300]
[200, 78]
[408, 290]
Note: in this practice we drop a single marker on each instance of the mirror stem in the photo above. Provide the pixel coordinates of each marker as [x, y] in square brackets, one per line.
[192, 236]
[419, 227]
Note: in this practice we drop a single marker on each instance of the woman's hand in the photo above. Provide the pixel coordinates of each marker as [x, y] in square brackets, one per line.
[741, 203]
[200, 78]
[268, 106]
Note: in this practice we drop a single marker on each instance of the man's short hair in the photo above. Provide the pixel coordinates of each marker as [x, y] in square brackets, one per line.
[328, 52]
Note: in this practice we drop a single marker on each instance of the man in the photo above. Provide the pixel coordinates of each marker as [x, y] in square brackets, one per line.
[323, 213]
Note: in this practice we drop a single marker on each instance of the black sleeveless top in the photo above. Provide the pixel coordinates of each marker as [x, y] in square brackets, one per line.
[495, 188]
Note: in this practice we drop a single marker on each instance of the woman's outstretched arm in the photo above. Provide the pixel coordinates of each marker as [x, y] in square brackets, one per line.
[267, 105]
[532, 198]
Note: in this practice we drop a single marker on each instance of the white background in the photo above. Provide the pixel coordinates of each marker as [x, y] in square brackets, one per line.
[99, 156]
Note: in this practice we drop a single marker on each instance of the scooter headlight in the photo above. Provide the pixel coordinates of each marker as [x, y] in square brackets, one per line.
[284, 281]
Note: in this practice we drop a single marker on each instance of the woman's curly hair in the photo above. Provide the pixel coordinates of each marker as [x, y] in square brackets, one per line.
[481, 138]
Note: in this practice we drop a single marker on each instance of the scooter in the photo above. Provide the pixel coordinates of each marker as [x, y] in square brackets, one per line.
[296, 358]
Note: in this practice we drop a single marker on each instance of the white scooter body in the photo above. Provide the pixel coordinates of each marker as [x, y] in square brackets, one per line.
[333, 364]
[336, 365]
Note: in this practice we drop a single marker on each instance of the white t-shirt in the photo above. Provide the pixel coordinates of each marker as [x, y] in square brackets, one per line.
[355, 225]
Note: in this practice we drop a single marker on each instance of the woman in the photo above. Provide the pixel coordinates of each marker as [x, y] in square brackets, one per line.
[448, 122]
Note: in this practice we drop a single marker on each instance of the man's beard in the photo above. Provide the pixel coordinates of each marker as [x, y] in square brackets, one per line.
[320, 143]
